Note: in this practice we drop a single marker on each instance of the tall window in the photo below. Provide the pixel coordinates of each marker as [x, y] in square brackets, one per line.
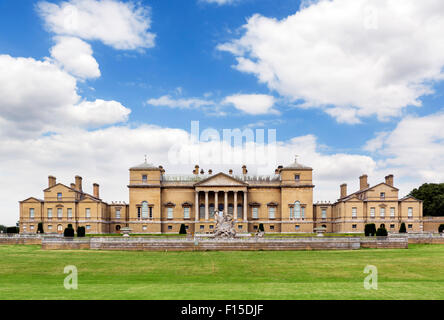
[303, 213]
[69, 213]
[382, 195]
[59, 213]
[59, 196]
[144, 210]
[139, 209]
[239, 211]
[410, 212]
[230, 209]
[372, 212]
[291, 212]
[117, 213]
[88, 213]
[255, 212]
[382, 212]
[324, 214]
[211, 209]
[170, 212]
[297, 210]
[49, 213]
[271, 212]
[354, 212]
[144, 178]
[31, 213]
[202, 211]
[392, 212]
[186, 212]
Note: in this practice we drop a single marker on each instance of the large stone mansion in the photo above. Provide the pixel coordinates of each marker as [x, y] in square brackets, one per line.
[161, 203]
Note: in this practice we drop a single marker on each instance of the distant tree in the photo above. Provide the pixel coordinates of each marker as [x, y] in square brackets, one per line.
[433, 196]
[441, 228]
[183, 229]
[370, 230]
[261, 227]
[402, 229]
[40, 228]
[2, 228]
[381, 232]
[12, 230]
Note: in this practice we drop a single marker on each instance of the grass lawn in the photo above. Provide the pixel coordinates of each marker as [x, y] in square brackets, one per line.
[27, 272]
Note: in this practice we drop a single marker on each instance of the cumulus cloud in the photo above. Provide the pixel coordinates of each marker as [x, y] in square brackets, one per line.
[252, 103]
[353, 58]
[219, 2]
[75, 56]
[121, 25]
[180, 103]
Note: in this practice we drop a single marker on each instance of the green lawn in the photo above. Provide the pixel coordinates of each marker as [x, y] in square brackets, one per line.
[27, 272]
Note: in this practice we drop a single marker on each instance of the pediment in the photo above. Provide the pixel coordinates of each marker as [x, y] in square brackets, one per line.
[219, 180]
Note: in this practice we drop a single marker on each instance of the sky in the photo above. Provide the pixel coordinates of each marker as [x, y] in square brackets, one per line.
[89, 87]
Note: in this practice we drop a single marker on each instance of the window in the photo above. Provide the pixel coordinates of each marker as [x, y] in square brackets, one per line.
[211, 209]
[31, 227]
[49, 213]
[202, 211]
[144, 178]
[324, 214]
[297, 210]
[69, 213]
[49, 227]
[303, 212]
[117, 213]
[382, 195]
[211, 227]
[354, 226]
[186, 227]
[59, 228]
[410, 212]
[271, 227]
[354, 212]
[372, 212]
[139, 209]
[59, 196]
[239, 226]
[410, 226]
[382, 212]
[392, 226]
[255, 212]
[255, 227]
[59, 213]
[144, 228]
[186, 212]
[88, 227]
[170, 227]
[31, 213]
[202, 227]
[170, 213]
[392, 212]
[297, 227]
[271, 212]
[144, 210]
[239, 212]
[88, 213]
[297, 178]
[230, 209]
[291, 212]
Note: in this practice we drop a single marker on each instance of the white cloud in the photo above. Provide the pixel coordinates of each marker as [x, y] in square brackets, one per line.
[121, 25]
[363, 58]
[75, 56]
[37, 96]
[181, 103]
[252, 103]
[414, 149]
[219, 2]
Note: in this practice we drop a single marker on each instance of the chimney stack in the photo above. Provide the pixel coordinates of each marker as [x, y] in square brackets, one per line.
[202, 171]
[96, 190]
[389, 180]
[343, 190]
[210, 171]
[363, 182]
[276, 171]
[51, 181]
[196, 169]
[244, 169]
[73, 186]
[79, 183]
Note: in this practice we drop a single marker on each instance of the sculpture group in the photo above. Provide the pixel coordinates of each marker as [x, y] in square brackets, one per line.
[224, 226]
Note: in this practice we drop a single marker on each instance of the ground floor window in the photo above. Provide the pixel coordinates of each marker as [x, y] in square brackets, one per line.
[202, 227]
[392, 226]
[170, 227]
[49, 227]
[186, 227]
[255, 227]
[31, 227]
[410, 226]
[240, 227]
[271, 227]
[88, 227]
[118, 228]
[211, 227]
[144, 228]
[297, 227]
[354, 226]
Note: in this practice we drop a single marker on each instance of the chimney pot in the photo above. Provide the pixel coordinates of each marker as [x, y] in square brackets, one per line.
[230, 171]
[202, 171]
[244, 169]
[210, 171]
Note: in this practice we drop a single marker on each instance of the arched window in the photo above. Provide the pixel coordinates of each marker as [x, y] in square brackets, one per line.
[59, 228]
[297, 209]
[144, 210]
[118, 228]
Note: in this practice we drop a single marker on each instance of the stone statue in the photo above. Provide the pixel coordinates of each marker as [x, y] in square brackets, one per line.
[224, 226]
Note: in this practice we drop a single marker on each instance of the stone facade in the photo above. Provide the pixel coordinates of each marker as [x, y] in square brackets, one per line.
[161, 203]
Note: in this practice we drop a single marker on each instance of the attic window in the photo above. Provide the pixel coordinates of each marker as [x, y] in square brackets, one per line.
[297, 178]
[144, 178]
[59, 196]
[382, 195]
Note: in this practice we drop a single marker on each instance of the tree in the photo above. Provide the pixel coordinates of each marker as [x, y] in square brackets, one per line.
[441, 228]
[381, 232]
[370, 230]
[433, 196]
[12, 230]
[40, 228]
[69, 231]
[183, 229]
[81, 232]
[261, 227]
[2, 228]
[402, 229]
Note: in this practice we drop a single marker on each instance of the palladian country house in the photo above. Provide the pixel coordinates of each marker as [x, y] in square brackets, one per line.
[160, 203]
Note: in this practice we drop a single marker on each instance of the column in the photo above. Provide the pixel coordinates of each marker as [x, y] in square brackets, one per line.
[225, 203]
[206, 206]
[235, 206]
[196, 205]
[216, 203]
[245, 206]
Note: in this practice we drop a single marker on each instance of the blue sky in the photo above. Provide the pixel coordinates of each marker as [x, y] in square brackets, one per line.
[356, 94]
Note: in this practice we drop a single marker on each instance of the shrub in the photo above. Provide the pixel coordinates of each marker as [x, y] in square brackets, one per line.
[441, 228]
[402, 229]
[381, 232]
[69, 225]
[182, 230]
[12, 230]
[81, 231]
[261, 227]
[69, 232]
[40, 228]
[370, 230]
